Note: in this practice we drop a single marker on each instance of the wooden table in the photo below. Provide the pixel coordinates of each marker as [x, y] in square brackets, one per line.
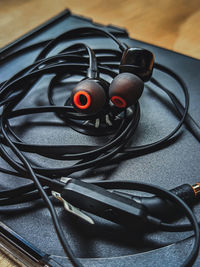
[167, 23]
[171, 24]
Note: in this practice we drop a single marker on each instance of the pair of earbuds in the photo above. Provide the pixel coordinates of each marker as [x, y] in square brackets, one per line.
[92, 94]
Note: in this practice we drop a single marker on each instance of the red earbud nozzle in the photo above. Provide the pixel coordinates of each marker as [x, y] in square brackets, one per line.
[118, 101]
[82, 100]
[125, 89]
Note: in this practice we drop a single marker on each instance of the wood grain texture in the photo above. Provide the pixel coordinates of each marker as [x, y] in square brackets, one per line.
[8, 260]
[171, 24]
[167, 23]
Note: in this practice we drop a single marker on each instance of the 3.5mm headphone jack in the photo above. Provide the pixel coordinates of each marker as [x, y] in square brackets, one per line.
[196, 189]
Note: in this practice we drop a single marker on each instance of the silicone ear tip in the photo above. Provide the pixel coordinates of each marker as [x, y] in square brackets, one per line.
[118, 101]
[125, 89]
[88, 96]
[82, 100]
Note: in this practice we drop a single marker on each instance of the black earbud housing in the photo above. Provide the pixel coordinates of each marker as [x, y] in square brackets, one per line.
[138, 61]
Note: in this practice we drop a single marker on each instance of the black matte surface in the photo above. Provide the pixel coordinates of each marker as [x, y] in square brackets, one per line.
[109, 244]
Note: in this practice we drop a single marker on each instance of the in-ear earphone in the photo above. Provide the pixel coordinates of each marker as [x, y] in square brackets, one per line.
[91, 94]
[135, 68]
[125, 89]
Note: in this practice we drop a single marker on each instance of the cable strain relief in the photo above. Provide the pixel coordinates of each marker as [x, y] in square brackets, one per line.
[185, 192]
[155, 221]
[92, 74]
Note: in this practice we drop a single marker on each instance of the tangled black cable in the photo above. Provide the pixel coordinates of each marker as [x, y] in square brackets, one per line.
[79, 59]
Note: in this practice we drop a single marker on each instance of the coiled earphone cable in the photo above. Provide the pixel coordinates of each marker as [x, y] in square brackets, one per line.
[93, 64]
